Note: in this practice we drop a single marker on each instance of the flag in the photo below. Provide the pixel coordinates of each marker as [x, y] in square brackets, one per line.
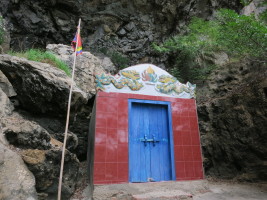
[79, 46]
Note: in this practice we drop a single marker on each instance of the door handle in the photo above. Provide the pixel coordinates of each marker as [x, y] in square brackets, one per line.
[146, 140]
[154, 140]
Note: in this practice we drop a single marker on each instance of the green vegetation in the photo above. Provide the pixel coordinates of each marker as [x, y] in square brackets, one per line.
[118, 59]
[2, 31]
[237, 35]
[43, 56]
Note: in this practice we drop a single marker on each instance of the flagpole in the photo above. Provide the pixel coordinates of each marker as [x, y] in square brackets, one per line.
[68, 116]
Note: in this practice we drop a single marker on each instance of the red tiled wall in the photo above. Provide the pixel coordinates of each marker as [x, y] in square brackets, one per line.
[111, 139]
[187, 150]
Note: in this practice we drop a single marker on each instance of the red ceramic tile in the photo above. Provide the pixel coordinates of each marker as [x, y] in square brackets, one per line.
[176, 123]
[112, 153]
[112, 136]
[185, 123]
[192, 111]
[198, 169]
[96, 182]
[106, 94]
[145, 97]
[101, 120]
[100, 93]
[193, 101]
[101, 107]
[122, 136]
[180, 100]
[111, 171]
[195, 138]
[168, 99]
[123, 153]
[100, 152]
[186, 138]
[180, 170]
[99, 172]
[122, 95]
[132, 96]
[123, 171]
[188, 154]
[177, 138]
[111, 120]
[193, 123]
[103, 100]
[111, 94]
[176, 108]
[196, 153]
[100, 135]
[179, 153]
[112, 105]
[189, 169]
[185, 110]
[122, 120]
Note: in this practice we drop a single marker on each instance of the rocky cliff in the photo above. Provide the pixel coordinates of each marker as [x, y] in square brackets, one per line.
[128, 27]
[33, 100]
[232, 108]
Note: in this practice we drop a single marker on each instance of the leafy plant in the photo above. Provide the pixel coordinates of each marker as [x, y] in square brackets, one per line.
[119, 60]
[237, 35]
[43, 56]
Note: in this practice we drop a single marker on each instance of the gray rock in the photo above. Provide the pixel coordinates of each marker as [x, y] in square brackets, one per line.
[130, 26]
[40, 87]
[45, 165]
[6, 86]
[87, 65]
[16, 181]
[25, 134]
[232, 110]
[5, 105]
[121, 32]
[107, 64]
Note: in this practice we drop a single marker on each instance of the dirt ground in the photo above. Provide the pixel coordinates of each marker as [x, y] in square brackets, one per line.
[184, 190]
[209, 189]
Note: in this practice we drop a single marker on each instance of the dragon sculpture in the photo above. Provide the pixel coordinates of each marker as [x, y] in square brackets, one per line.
[165, 84]
[130, 78]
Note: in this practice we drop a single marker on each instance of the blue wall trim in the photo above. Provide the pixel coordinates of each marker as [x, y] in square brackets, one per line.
[168, 104]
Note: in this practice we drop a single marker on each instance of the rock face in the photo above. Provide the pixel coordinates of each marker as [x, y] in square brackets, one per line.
[232, 115]
[117, 25]
[45, 165]
[33, 99]
[16, 181]
[25, 134]
[40, 88]
[87, 65]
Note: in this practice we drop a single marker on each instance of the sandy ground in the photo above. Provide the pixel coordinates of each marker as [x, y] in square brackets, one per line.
[196, 190]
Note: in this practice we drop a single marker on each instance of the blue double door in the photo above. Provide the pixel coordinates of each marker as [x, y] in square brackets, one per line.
[149, 143]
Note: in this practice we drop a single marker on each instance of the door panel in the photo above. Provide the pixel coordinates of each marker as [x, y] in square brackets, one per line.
[149, 147]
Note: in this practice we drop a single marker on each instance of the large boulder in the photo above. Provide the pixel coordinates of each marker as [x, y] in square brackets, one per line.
[87, 66]
[40, 87]
[45, 165]
[42, 154]
[6, 86]
[25, 134]
[5, 104]
[16, 181]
